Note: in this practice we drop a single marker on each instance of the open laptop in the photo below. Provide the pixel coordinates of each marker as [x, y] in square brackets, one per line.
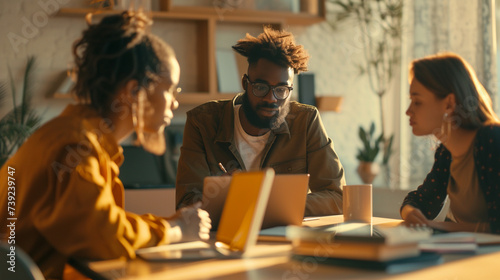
[239, 224]
[286, 203]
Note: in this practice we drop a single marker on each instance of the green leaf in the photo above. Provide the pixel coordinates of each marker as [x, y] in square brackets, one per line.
[388, 150]
[26, 95]
[3, 93]
[13, 90]
[362, 135]
[370, 149]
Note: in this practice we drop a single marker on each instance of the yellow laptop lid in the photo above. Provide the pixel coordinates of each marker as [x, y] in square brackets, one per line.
[244, 209]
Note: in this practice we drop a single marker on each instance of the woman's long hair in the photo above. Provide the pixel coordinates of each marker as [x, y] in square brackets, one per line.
[446, 73]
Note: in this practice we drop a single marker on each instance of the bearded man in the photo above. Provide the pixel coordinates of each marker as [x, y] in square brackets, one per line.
[262, 128]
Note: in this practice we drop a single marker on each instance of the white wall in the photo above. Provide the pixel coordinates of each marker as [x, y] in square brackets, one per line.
[47, 38]
[160, 202]
[334, 55]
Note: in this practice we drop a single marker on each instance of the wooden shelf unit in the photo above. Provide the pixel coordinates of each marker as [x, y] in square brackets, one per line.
[207, 19]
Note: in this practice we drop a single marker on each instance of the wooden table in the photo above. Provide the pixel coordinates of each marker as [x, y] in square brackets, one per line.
[271, 260]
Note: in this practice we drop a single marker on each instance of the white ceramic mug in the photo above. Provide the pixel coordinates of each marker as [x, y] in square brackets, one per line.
[357, 203]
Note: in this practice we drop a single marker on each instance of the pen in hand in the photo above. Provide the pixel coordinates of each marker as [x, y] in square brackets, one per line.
[222, 168]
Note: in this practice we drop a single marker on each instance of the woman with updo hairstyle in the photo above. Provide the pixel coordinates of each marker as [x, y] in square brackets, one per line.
[69, 199]
[449, 102]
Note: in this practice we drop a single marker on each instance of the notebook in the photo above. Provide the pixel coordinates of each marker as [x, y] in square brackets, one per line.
[286, 203]
[239, 225]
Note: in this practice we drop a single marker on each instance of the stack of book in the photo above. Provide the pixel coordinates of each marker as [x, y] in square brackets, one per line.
[363, 245]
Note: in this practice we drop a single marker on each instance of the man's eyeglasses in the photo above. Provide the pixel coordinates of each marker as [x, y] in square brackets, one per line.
[261, 89]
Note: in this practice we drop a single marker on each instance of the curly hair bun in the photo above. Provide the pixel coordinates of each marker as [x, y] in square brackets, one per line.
[115, 50]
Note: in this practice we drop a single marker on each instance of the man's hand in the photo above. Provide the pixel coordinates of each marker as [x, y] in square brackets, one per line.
[189, 224]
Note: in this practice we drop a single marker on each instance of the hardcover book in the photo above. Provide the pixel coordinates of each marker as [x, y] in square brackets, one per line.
[391, 267]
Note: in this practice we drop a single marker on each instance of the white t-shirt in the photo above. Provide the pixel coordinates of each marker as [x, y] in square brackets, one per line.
[251, 148]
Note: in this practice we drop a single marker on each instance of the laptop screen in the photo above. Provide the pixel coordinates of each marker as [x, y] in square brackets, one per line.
[286, 202]
[244, 209]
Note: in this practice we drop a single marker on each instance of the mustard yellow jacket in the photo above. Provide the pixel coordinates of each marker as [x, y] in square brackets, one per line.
[68, 198]
[299, 145]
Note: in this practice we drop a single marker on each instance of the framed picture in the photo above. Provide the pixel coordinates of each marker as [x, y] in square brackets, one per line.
[227, 71]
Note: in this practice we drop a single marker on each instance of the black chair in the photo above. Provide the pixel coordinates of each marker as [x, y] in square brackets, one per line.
[143, 170]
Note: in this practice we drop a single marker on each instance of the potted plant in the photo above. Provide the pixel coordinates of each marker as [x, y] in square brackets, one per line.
[22, 120]
[368, 168]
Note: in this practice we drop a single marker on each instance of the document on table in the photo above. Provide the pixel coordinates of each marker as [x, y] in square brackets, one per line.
[458, 242]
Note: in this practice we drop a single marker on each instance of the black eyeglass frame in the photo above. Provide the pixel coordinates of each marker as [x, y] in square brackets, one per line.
[290, 88]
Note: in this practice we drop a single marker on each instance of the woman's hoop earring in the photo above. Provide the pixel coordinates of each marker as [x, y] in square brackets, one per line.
[445, 128]
[138, 117]
[134, 114]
